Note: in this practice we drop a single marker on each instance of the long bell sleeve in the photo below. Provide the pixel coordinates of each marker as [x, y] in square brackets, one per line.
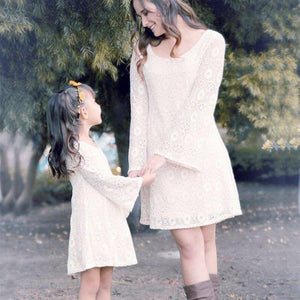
[139, 118]
[186, 137]
[123, 191]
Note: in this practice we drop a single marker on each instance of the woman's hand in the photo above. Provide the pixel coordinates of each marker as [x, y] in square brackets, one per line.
[154, 163]
[148, 178]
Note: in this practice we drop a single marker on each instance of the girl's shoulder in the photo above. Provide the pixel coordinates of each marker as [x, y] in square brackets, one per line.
[86, 145]
[86, 152]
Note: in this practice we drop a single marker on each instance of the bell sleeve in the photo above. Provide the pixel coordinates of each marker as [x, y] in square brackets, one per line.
[123, 191]
[188, 132]
[137, 156]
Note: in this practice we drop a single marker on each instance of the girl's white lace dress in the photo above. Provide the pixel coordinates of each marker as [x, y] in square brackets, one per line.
[101, 201]
[172, 114]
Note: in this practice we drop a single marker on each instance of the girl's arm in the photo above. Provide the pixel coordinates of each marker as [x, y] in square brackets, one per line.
[123, 191]
[139, 116]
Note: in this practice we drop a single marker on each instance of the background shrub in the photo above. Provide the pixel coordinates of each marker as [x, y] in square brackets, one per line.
[49, 190]
[252, 164]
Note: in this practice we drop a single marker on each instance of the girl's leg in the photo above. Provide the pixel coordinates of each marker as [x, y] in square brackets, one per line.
[210, 250]
[190, 243]
[104, 292]
[89, 284]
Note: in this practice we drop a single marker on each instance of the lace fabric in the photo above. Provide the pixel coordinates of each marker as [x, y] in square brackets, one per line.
[172, 115]
[101, 201]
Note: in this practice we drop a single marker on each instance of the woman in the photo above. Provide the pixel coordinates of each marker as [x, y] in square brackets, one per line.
[176, 70]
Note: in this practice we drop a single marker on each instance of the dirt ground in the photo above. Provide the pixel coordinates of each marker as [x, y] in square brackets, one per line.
[259, 254]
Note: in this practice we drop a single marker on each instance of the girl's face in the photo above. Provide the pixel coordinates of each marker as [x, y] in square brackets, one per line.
[151, 17]
[91, 110]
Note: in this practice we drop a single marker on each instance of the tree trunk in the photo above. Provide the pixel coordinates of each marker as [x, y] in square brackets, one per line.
[134, 217]
[4, 176]
[8, 201]
[122, 148]
[18, 180]
[16, 186]
[299, 192]
[116, 95]
[24, 202]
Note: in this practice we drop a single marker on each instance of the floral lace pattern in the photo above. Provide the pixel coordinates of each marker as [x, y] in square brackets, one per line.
[101, 201]
[172, 115]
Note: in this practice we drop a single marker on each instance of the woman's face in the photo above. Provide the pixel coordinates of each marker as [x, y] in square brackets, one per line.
[91, 110]
[151, 17]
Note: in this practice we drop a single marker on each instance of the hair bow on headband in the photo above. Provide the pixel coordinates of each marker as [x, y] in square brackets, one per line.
[81, 95]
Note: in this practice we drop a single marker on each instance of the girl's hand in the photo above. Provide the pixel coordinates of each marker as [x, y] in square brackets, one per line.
[154, 163]
[148, 178]
[135, 173]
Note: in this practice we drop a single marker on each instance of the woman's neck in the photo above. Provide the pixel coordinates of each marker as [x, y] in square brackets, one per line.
[187, 33]
[182, 26]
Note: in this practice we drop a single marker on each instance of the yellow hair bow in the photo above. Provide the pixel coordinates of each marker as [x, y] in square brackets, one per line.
[81, 95]
[74, 83]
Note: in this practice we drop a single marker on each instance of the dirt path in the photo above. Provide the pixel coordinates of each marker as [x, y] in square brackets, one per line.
[259, 254]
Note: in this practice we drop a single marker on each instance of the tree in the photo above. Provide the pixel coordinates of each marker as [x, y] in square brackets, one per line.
[89, 41]
[259, 93]
[44, 45]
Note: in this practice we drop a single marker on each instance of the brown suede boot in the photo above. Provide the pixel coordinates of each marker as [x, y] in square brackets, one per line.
[215, 279]
[200, 291]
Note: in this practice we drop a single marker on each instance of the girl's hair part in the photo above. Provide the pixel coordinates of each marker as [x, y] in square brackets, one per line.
[63, 126]
[169, 10]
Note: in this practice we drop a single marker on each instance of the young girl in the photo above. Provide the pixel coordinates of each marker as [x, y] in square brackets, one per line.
[99, 237]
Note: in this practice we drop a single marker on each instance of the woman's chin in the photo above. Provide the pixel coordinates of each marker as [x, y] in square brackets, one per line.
[158, 34]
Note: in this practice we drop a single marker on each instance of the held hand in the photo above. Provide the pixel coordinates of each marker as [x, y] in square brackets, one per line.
[154, 163]
[135, 173]
[148, 178]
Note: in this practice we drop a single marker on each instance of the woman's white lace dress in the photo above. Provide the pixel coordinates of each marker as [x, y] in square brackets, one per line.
[101, 201]
[172, 115]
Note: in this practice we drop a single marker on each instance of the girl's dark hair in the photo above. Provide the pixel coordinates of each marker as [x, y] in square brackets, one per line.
[169, 10]
[63, 125]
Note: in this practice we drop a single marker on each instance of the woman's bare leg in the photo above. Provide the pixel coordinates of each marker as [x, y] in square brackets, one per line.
[190, 243]
[210, 249]
[89, 284]
[104, 292]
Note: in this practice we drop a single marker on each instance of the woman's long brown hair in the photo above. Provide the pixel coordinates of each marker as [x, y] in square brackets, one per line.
[169, 10]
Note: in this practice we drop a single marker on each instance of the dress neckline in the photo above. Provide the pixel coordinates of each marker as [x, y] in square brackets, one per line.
[182, 55]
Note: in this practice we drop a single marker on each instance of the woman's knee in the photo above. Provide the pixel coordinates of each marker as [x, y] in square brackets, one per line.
[190, 250]
[105, 285]
[189, 243]
[209, 245]
[209, 238]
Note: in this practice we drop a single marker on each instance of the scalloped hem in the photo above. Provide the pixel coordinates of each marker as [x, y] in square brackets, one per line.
[184, 226]
[77, 271]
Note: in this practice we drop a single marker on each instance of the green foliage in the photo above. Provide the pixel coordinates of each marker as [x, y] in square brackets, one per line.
[265, 91]
[49, 190]
[255, 164]
[260, 91]
[13, 18]
[46, 43]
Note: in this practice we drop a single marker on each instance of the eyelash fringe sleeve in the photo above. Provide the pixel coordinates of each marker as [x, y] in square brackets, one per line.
[123, 191]
[191, 128]
[139, 118]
